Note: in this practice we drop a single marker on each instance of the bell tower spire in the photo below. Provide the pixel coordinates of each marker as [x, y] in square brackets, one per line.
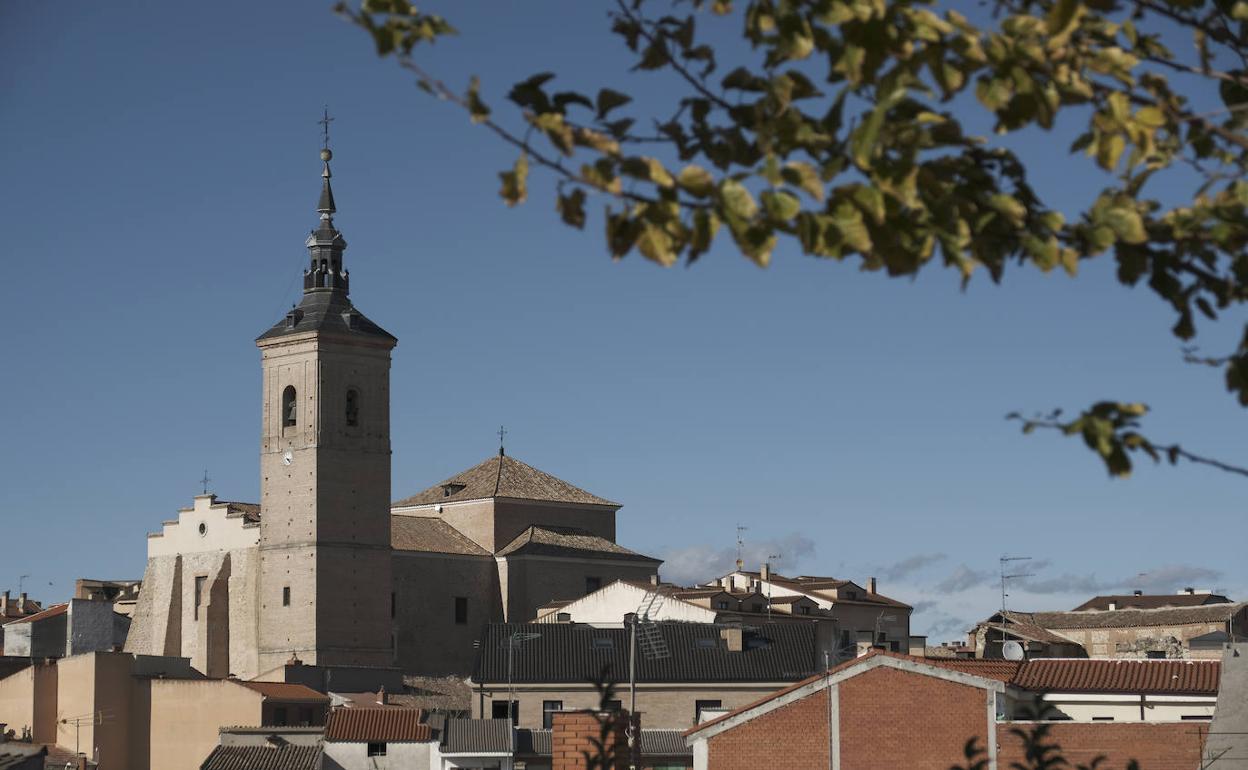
[326, 244]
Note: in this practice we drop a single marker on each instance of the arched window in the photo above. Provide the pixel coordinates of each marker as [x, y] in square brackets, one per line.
[353, 407]
[290, 407]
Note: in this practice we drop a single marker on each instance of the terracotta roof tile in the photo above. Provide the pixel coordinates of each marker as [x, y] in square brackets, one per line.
[568, 541]
[362, 725]
[285, 691]
[263, 758]
[502, 476]
[430, 535]
[1176, 677]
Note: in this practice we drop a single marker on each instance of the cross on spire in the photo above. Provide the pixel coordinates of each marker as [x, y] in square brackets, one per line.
[502, 434]
[324, 123]
[205, 481]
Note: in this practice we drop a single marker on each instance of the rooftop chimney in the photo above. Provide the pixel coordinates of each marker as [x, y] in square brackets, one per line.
[732, 636]
[870, 585]
[765, 572]
[382, 698]
[654, 579]
[1137, 592]
[1113, 605]
[1189, 591]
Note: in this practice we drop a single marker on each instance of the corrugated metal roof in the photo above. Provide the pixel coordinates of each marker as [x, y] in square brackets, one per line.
[776, 652]
[1175, 677]
[263, 758]
[477, 736]
[361, 725]
[285, 691]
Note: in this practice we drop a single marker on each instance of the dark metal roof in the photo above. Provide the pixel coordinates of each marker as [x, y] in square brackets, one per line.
[654, 743]
[477, 736]
[568, 653]
[263, 758]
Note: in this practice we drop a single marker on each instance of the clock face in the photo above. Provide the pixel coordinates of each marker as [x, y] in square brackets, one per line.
[288, 458]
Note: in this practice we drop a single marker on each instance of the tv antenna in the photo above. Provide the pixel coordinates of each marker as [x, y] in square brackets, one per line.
[772, 558]
[21, 582]
[1005, 578]
[205, 480]
[740, 545]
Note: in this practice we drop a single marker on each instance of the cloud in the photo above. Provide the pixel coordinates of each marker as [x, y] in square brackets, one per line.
[1066, 584]
[946, 628]
[702, 562]
[909, 566]
[1173, 577]
[963, 578]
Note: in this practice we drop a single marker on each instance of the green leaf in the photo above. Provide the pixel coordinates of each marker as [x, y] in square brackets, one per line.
[737, 200]
[608, 100]
[696, 180]
[572, 208]
[515, 182]
[780, 204]
[1127, 224]
[477, 110]
[804, 176]
[656, 245]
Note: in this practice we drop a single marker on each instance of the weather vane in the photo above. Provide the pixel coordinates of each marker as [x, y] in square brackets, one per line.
[324, 123]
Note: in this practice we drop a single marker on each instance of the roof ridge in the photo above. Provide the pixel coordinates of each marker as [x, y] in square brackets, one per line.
[498, 478]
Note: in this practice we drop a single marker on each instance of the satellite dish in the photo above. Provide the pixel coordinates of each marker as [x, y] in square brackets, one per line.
[1012, 651]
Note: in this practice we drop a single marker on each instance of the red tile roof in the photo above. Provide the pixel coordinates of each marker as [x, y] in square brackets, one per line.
[1001, 670]
[59, 609]
[358, 725]
[285, 691]
[1176, 677]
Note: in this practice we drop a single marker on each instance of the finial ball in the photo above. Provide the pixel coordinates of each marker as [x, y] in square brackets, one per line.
[326, 154]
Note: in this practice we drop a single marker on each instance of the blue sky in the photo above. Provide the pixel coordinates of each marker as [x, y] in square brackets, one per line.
[160, 174]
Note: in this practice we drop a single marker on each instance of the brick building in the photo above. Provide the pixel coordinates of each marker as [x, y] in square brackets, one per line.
[887, 711]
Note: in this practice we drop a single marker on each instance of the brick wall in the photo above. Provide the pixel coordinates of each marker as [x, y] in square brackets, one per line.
[573, 733]
[1172, 746]
[893, 719]
[794, 736]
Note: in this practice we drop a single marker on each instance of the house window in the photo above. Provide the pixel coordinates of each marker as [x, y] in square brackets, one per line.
[1102, 719]
[200, 582]
[353, 408]
[279, 715]
[721, 605]
[592, 584]
[498, 710]
[285, 596]
[376, 749]
[699, 705]
[549, 707]
[756, 607]
[290, 407]
[614, 705]
[803, 610]
[461, 610]
[851, 594]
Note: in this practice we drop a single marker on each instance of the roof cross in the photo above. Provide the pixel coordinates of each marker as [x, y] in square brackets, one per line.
[324, 123]
[205, 481]
[502, 434]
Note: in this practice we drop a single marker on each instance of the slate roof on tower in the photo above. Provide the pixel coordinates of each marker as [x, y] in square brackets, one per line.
[503, 476]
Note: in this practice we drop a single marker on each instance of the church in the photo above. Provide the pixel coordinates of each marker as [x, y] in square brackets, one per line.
[326, 569]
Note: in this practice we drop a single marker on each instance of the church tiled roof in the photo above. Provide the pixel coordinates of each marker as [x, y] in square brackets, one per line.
[568, 541]
[503, 476]
[429, 535]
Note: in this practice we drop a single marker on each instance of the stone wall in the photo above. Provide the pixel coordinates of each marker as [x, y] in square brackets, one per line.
[429, 641]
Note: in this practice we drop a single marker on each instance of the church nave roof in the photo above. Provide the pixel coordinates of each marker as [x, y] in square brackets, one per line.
[503, 476]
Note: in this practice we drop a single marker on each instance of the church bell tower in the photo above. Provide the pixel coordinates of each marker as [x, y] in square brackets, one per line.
[324, 565]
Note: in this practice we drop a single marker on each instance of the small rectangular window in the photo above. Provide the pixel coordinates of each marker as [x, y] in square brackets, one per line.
[461, 610]
[615, 705]
[200, 582]
[549, 707]
[699, 705]
[592, 584]
[285, 596]
[376, 749]
[498, 710]
[1102, 719]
